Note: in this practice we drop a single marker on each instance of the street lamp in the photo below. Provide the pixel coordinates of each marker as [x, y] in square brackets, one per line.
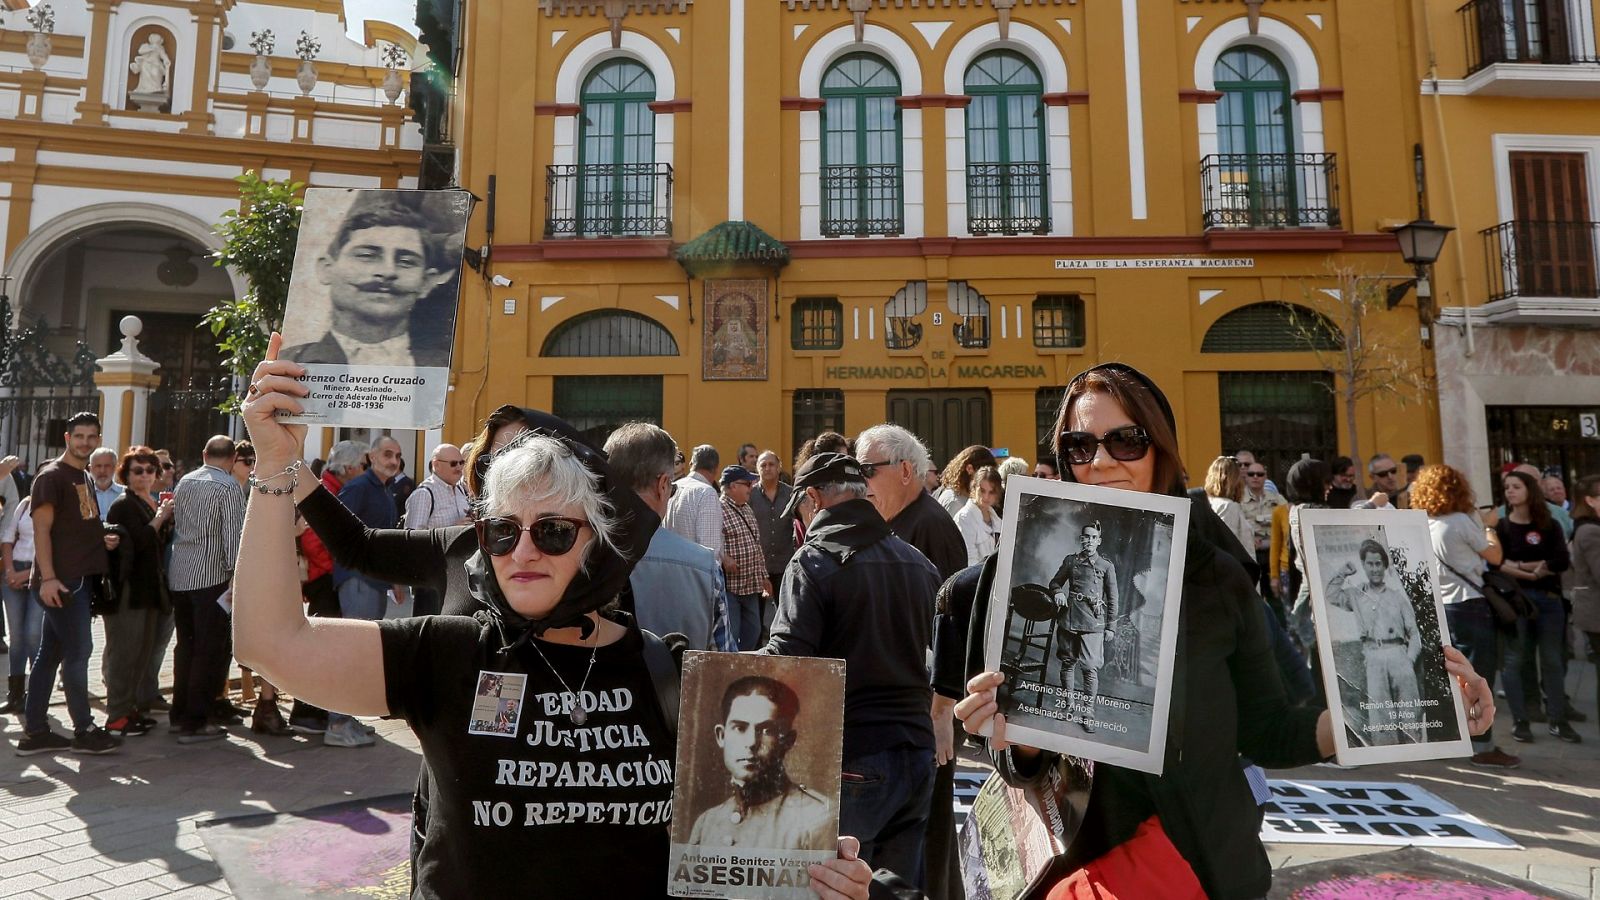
[1421, 241]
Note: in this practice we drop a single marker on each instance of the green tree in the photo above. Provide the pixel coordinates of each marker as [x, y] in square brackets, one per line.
[258, 241]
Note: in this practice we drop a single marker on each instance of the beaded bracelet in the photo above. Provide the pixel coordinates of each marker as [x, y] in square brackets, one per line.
[260, 484]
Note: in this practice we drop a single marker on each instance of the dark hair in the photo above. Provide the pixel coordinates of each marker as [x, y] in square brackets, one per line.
[83, 418]
[1538, 512]
[640, 453]
[1413, 461]
[1138, 399]
[392, 210]
[1371, 546]
[137, 453]
[1586, 487]
[1340, 463]
[783, 697]
[956, 477]
[477, 465]
[1309, 481]
[244, 448]
[831, 442]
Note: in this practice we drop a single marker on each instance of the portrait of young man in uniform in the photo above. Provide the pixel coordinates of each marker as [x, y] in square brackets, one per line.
[385, 261]
[765, 809]
[1390, 639]
[1085, 590]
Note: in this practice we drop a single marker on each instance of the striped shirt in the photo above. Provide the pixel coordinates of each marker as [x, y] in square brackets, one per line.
[742, 544]
[207, 516]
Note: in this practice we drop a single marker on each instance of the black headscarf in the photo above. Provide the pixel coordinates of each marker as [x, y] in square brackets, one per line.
[606, 573]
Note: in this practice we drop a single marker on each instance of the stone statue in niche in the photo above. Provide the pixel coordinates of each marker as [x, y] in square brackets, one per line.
[154, 69]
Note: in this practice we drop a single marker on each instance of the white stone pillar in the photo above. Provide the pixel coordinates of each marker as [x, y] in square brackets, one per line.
[125, 381]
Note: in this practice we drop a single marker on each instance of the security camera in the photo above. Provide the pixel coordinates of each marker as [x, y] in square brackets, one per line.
[500, 281]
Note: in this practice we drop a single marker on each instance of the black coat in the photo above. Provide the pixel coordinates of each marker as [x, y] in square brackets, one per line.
[1228, 700]
[138, 565]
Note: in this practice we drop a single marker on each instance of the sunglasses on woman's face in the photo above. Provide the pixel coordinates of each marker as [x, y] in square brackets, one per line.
[1126, 444]
[552, 535]
[141, 470]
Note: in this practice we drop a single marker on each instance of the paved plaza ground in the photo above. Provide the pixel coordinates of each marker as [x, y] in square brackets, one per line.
[122, 826]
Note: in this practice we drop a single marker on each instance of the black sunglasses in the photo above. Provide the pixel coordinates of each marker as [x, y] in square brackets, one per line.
[553, 535]
[1126, 444]
[1386, 472]
[870, 469]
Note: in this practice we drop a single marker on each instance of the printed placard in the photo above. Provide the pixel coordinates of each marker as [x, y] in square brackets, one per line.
[371, 311]
[760, 741]
[497, 706]
[1084, 618]
[1380, 634]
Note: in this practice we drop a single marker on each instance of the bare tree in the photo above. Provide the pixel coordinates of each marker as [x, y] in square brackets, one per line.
[1362, 359]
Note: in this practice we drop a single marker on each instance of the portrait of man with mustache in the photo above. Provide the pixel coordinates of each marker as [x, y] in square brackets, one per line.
[380, 269]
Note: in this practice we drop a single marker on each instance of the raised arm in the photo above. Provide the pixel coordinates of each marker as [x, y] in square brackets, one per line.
[334, 663]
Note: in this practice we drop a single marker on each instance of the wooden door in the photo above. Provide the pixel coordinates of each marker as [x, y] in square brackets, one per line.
[1554, 237]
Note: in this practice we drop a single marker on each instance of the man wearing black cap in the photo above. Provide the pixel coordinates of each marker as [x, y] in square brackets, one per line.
[856, 592]
[742, 559]
[382, 263]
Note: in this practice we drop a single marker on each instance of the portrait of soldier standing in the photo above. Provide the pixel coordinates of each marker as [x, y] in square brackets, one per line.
[766, 809]
[384, 261]
[1390, 640]
[1085, 590]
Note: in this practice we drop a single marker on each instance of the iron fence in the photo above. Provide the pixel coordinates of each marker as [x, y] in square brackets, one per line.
[1008, 198]
[183, 414]
[33, 420]
[862, 200]
[1542, 259]
[1270, 190]
[609, 200]
[1525, 31]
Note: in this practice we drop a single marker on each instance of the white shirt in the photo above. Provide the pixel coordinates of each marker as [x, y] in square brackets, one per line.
[981, 537]
[435, 504]
[383, 353]
[1232, 515]
[19, 531]
[695, 512]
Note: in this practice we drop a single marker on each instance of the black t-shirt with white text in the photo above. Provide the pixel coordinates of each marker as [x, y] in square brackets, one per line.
[525, 802]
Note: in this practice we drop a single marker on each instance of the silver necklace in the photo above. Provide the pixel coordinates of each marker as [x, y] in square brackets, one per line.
[578, 715]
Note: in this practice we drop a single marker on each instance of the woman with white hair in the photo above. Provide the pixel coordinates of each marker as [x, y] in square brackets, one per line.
[550, 753]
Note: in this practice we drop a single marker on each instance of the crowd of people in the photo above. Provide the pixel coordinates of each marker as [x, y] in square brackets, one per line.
[860, 549]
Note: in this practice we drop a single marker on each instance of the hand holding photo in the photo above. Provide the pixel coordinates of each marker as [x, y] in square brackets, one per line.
[757, 793]
[1084, 620]
[1380, 633]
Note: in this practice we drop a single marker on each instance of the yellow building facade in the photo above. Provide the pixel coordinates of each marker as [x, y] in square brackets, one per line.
[753, 220]
[1510, 114]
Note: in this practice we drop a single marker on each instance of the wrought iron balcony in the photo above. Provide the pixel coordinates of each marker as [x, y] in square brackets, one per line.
[1525, 31]
[862, 200]
[1008, 198]
[1270, 190]
[608, 200]
[1543, 259]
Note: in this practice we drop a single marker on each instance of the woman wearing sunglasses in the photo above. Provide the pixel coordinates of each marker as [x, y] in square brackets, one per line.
[551, 757]
[1192, 831]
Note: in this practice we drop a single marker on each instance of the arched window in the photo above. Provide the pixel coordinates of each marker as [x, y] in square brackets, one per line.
[861, 172]
[610, 332]
[1007, 181]
[1258, 179]
[618, 186]
[1272, 327]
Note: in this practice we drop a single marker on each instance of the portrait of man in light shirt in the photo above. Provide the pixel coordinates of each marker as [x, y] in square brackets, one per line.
[381, 266]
